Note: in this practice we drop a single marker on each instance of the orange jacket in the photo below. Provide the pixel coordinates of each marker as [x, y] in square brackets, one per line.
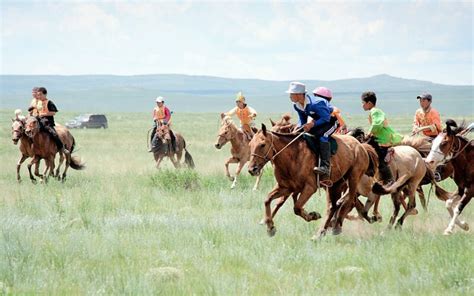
[431, 117]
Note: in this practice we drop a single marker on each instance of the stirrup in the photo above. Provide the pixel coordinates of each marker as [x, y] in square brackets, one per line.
[321, 171]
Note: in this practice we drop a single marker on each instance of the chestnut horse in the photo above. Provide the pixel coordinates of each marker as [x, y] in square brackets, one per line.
[293, 163]
[165, 148]
[240, 149]
[451, 147]
[44, 147]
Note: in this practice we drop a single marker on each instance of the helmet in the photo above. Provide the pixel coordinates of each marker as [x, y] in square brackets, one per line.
[160, 99]
[240, 97]
[323, 92]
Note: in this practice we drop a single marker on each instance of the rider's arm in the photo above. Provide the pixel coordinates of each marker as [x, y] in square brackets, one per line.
[323, 112]
[252, 112]
[51, 109]
[167, 115]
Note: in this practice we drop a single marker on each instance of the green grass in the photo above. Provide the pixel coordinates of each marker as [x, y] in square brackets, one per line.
[123, 227]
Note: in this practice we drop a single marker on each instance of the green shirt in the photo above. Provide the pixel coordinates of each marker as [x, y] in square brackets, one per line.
[384, 134]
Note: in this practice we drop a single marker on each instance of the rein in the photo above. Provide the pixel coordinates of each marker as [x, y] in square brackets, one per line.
[265, 157]
[453, 151]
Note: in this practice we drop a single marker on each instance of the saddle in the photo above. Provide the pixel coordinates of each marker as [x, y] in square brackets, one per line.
[313, 143]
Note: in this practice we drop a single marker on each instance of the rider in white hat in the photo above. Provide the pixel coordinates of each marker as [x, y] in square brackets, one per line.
[315, 118]
[161, 115]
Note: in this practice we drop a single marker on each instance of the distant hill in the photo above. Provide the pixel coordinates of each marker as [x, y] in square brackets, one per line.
[184, 93]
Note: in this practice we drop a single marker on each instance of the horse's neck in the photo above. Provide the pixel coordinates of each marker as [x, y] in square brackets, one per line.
[25, 144]
[290, 154]
[42, 143]
[239, 140]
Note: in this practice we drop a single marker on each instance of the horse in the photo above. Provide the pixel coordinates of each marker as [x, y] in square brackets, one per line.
[240, 149]
[44, 147]
[406, 163]
[165, 148]
[25, 147]
[293, 164]
[450, 147]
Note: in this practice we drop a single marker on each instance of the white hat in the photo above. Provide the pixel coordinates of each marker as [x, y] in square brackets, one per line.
[159, 99]
[296, 88]
[17, 112]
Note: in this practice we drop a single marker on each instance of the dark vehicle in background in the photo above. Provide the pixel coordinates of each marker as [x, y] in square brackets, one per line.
[88, 121]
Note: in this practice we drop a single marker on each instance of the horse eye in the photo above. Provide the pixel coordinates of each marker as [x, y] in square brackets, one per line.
[262, 145]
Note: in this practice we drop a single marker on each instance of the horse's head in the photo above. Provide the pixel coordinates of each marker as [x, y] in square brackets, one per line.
[359, 134]
[227, 131]
[18, 130]
[261, 150]
[163, 133]
[444, 145]
[32, 126]
[284, 125]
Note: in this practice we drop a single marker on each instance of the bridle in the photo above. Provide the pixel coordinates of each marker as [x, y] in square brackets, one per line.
[272, 147]
[449, 155]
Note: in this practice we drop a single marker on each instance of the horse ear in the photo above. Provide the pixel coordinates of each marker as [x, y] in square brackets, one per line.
[272, 122]
[222, 115]
[264, 130]
[13, 120]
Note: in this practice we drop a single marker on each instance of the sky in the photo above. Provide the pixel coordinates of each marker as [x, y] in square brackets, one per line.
[271, 40]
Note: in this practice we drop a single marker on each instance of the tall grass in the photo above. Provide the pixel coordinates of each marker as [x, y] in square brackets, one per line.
[123, 227]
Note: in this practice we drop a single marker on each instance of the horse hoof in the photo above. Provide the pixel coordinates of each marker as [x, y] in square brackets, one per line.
[398, 227]
[232, 186]
[34, 181]
[336, 230]
[314, 216]
[254, 189]
[448, 232]
[271, 232]
[464, 226]
[262, 222]
[319, 236]
[413, 212]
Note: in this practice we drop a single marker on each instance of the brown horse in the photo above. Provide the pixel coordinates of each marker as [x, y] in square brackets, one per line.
[166, 149]
[293, 163]
[45, 148]
[450, 147]
[240, 149]
[26, 149]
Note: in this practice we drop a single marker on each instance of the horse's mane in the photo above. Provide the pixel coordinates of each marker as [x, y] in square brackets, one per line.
[421, 143]
[288, 135]
[455, 127]
[227, 120]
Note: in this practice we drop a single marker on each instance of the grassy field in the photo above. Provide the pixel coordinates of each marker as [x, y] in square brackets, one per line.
[123, 227]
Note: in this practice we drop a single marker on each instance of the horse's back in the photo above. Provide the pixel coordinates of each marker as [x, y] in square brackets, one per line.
[408, 160]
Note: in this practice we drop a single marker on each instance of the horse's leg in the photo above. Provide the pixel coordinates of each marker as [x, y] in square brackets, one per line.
[179, 155]
[396, 208]
[18, 165]
[376, 212]
[451, 204]
[257, 182]
[348, 203]
[158, 161]
[33, 161]
[275, 193]
[237, 173]
[361, 210]
[66, 167]
[280, 202]
[174, 161]
[331, 207]
[230, 160]
[298, 208]
[466, 198]
[421, 195]
[411, 205]
[61, 160]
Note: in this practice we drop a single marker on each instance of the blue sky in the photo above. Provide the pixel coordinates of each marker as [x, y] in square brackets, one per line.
[327, 40]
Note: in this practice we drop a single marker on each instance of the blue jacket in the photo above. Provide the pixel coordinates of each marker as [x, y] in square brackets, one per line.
[319, 109]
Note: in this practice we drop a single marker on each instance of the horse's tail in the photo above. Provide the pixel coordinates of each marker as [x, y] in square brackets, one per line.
[441, 194]
[373, 160]
[188, 159]
[75, 161]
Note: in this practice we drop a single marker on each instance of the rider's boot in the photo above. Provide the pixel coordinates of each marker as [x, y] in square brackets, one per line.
[324, 169]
